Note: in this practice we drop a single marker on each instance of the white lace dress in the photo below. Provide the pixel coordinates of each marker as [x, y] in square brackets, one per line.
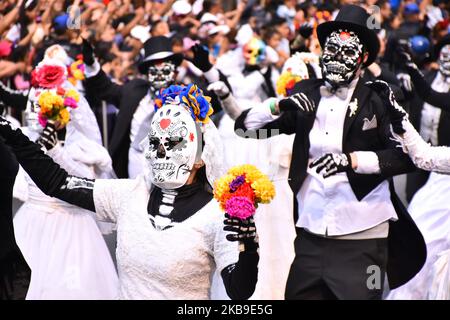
[62, 243]
[430, 210]
[176, 263]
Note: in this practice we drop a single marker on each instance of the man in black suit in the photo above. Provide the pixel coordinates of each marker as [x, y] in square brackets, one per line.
[351, 226]
[135, 99]
[14, 271]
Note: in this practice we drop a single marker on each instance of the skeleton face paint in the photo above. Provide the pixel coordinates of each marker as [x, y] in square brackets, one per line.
[161, 75]
[173, 145]
[444, 61]
[342, 56]
[254, 52]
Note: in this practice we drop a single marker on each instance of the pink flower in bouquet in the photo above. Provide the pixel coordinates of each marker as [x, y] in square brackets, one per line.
[70, 102]
[240, 207]
[42, 120]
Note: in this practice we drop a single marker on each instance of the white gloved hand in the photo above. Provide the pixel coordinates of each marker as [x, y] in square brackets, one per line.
[219, 88]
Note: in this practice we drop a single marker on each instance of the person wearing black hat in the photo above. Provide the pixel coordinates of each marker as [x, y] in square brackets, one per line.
[135, 98]
[351, 226]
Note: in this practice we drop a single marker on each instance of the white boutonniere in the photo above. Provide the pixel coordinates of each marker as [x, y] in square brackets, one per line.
[353, 107]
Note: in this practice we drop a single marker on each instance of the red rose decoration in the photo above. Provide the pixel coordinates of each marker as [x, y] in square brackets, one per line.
[48, 76]
[34, 81]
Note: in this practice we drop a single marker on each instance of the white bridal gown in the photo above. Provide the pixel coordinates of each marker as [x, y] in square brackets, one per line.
[62, 243]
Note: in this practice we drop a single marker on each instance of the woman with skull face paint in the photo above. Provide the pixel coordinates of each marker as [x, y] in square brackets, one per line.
[170, 231]
[343, 158]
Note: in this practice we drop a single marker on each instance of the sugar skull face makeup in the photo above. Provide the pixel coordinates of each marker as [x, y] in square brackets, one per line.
[341, 58]
[173, 146]
[254, 52]
[161, 76]
[444, 61]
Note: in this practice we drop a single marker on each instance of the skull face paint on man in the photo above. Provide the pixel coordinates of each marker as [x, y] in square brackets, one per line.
[173, 146]
[444, 61]
[161, 75]
[342, 57]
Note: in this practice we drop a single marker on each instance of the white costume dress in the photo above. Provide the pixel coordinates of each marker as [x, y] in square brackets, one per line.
[176, 263]
[62, 243]
[431, 211]
[274, 221]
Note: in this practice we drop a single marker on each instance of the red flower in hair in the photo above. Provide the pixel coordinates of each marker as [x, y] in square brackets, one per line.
[47, 76]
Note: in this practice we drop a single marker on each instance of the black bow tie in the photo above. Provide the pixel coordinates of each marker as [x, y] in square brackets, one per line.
[341, 92]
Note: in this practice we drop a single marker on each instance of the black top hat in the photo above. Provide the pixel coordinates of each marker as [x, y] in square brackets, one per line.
[158, 48]
[442, 43]
[353, 18]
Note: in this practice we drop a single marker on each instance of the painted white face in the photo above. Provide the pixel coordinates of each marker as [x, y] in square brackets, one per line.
[341, 58]
[161, 76]
[444, 61]
[173, 146]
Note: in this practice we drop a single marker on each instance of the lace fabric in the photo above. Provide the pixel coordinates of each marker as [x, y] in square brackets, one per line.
[176, 263]
[423, 154]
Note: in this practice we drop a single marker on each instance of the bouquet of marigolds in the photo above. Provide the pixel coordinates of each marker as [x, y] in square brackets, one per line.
[54, 104]
[241, 190]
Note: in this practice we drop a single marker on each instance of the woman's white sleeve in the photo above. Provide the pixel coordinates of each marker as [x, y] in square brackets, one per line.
[423, 155]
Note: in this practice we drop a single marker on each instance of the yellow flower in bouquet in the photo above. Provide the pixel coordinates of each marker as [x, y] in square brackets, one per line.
[286, 82]
[241, 190]
[71, 93]
[54, 105]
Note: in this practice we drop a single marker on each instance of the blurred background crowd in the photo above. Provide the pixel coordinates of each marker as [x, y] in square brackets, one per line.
[118, 29]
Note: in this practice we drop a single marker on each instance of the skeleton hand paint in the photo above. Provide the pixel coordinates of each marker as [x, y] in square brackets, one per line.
[161, 75]
[444, 61]
[173, 146]
[243, 231]
[331, 163]
[341, 58]
[49, 137]
[297, 102]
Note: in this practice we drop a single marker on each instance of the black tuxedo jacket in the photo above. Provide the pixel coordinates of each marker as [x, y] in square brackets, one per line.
[407, 251]
[14, 271]
[126, 98]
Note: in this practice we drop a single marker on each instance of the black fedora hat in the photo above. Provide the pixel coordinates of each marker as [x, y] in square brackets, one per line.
[158, 48]
[352, 18]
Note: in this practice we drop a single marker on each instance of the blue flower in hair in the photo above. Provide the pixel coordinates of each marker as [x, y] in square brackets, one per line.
[191, 97]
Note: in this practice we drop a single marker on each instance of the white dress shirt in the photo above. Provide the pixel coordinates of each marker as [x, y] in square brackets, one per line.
[431, 115]
[328, 206]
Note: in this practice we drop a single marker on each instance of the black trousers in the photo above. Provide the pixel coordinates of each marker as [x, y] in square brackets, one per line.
[325, 268]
